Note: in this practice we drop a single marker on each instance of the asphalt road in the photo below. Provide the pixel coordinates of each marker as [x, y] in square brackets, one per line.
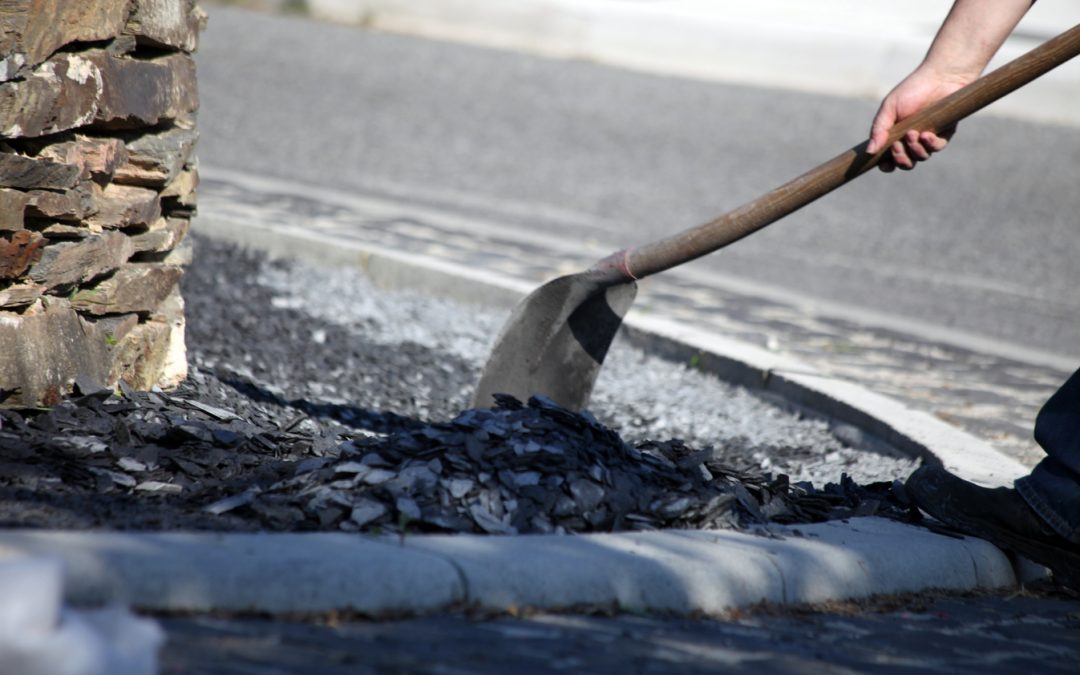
[990, 636]
[983, 240]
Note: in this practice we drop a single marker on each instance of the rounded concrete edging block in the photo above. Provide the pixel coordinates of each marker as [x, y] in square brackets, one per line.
[274, 573]
[654, 571]
[872, 556]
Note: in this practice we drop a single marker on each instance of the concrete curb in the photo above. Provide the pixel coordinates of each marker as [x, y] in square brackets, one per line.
[681, 572]
[274, 573]
[841, 47]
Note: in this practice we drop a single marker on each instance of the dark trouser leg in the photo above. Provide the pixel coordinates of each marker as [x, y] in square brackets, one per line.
[1053, 488]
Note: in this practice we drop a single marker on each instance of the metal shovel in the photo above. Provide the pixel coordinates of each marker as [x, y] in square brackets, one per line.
[555, 341]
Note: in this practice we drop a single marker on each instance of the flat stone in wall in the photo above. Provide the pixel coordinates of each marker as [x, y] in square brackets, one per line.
[18, 251]
[162, 236]
[120, 206]
[170, 313]
[57, 95]
[166, 23]
[155, 159]
[44, 343]
[137, 287]
[97, 158]
[97, 87]
[138, 93]
[139, 359]
[74, 204]
[20, 295]
[28, 173]
[12, 205]
[68, 263]
[31, 30]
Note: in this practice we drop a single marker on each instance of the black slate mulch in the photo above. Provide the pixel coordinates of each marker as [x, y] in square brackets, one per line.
[257, 439]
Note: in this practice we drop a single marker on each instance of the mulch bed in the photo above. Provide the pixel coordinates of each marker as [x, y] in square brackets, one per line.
[245, 445]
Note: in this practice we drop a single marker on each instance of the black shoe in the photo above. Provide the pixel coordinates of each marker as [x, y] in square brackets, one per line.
[998, 515]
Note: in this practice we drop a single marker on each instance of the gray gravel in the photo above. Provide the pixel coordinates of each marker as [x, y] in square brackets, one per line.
[638, 395]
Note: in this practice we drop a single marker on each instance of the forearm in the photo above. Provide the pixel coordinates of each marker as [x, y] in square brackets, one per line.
[971, 35]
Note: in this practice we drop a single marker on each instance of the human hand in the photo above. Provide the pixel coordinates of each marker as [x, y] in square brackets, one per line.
[914, 93]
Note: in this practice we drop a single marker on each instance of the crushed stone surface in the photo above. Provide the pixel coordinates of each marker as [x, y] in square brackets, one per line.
[642, 396]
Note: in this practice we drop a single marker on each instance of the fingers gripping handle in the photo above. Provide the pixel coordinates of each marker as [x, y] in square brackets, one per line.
[698, 241]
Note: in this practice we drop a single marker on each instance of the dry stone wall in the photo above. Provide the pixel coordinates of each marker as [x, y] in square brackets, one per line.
[97, 191]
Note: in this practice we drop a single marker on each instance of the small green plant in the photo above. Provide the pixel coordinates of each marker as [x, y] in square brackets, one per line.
[695, 362]
[295, 7]
[110, 339]
[841, 347]
[404, 526]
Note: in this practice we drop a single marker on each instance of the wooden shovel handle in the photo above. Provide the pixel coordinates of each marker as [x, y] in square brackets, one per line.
[751, 217]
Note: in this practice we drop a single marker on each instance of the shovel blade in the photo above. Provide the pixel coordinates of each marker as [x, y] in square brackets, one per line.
[555, 341]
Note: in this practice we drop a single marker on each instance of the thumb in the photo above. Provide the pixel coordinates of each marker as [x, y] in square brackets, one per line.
[879, 129]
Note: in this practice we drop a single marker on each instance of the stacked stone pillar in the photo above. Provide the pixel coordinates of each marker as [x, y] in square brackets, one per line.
[97, 191]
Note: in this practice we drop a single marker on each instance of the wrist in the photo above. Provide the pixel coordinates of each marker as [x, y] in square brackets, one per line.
[947, 72]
